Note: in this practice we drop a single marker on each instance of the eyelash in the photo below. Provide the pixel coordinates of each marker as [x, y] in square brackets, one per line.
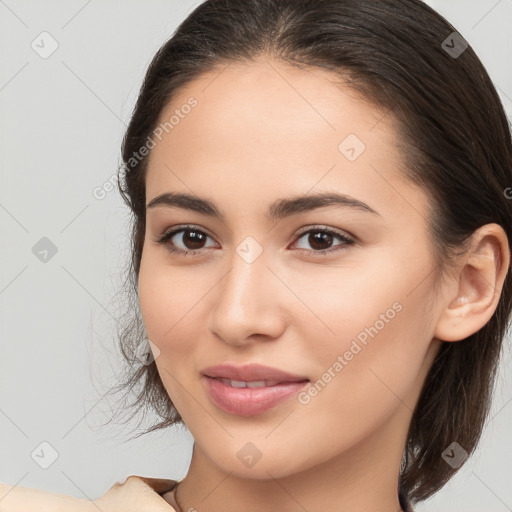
[168, 235]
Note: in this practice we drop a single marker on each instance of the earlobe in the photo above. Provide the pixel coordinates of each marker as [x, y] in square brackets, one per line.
[477, 285]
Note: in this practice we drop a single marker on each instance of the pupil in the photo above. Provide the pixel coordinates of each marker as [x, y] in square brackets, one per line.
[191, 238]
[318, 237]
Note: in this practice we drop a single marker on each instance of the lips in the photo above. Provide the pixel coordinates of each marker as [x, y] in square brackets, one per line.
[251, 389]
[255, 373]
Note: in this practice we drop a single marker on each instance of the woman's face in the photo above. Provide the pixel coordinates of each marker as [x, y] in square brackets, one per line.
[278, 283]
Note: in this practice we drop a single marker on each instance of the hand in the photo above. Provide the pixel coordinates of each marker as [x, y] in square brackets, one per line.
[136, 494]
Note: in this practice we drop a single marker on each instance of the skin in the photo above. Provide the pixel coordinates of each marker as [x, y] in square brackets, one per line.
[261, 132]
[135, 494]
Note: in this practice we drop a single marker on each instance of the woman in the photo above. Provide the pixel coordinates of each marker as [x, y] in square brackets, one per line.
[321, 253]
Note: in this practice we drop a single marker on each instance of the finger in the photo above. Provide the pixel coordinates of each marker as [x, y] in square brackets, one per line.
[159, 485]
[137, 494]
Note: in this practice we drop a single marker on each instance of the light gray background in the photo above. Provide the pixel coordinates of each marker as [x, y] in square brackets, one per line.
[61, 124]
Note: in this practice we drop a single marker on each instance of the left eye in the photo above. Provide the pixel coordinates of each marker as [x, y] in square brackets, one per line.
[324, 236]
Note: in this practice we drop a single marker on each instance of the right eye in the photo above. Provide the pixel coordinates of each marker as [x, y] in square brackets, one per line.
[191, 238]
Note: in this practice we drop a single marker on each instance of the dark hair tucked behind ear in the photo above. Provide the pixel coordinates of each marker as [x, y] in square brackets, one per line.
[455, 141]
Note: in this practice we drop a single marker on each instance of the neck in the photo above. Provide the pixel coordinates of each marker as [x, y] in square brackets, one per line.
[362, 479]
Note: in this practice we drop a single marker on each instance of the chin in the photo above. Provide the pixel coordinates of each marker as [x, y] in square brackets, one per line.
[257, 460]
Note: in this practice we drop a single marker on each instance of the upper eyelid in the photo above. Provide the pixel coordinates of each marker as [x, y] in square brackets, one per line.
[178, 229]
[301, 231]
[318, 227]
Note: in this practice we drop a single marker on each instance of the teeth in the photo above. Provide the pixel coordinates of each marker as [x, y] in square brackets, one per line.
[257, 384]
[251, 384]
[237, 384]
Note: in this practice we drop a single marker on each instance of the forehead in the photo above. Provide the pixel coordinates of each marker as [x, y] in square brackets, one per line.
[274, 127]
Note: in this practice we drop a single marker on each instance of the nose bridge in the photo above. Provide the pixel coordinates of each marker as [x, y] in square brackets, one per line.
[246, 302]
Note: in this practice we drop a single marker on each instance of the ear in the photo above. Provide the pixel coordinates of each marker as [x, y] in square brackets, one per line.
[474, 293]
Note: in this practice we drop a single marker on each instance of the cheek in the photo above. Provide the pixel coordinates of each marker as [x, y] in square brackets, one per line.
[347, 301]
[374, 289]
[379, 336]
[167, 302]
[167, 298]
[359, 386]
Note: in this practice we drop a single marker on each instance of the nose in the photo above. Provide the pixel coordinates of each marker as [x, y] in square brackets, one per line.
[249, 304]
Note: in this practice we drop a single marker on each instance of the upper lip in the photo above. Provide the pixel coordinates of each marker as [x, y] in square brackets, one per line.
[251, 372]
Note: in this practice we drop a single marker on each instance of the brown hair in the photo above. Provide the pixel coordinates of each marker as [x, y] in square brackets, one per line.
[456, 143]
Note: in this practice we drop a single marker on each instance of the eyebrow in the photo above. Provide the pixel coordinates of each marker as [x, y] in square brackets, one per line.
[280, 209]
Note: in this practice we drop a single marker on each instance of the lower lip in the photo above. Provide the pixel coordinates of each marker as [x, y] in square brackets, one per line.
[249, 401]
